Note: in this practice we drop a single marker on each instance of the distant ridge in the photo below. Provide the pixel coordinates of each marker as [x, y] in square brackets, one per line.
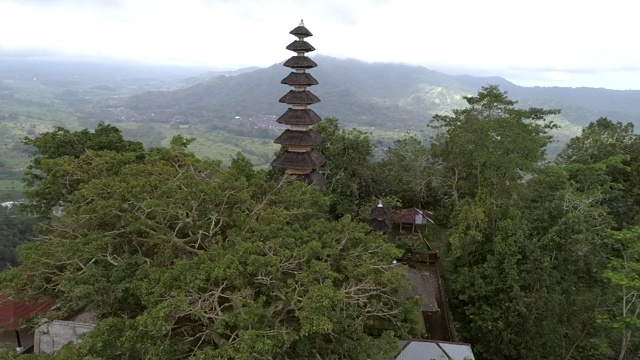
[385, 95]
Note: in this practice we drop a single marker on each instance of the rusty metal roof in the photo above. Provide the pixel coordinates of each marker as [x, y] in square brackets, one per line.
[12, 311]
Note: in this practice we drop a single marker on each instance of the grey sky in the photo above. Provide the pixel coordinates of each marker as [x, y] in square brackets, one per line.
[543, 42]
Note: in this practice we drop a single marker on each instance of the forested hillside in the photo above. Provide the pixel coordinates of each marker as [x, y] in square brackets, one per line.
[382, 95]
[182, 257]
[236, 110]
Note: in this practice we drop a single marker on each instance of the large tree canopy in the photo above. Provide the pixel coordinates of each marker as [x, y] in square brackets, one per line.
[51, 177]
[186, 258]
[490, 144]
[183, 258]
[605, 161]
[348, 170]
[525, 247]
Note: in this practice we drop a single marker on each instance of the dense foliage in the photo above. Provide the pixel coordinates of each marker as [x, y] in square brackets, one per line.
[53, 176]
[540, 256]
[16, 229]
[182, 257]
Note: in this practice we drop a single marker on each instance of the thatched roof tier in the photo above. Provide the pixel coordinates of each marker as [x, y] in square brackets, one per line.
[299, 117]
[314, 178]
[379, 225]
[300, 62]
[380, 213]
[304, 138]
[304, 97]
[299, 79]
[301, 31]
[300, 46]
[299, 160]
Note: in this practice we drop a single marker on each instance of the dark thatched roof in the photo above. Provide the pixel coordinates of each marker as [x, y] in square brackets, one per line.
[300, 46]
[300, 62]
[314, 178]
[299, 117]
[299, 160]
[303, 138]
[379, 225]
[301, 32]
[299, 79]
[380, 213]
[304, 97]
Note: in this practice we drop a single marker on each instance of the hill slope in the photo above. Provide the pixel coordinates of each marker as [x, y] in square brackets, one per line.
[391, 96]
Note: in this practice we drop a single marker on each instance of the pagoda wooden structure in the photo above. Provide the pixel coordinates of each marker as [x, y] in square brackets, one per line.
[380, 218]
[299, 158]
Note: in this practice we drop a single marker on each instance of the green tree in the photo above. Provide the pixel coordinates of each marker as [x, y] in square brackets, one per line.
[408, 171]
[604, 160]
[624, 275]
[526, 273]
[599, 141]
[348, 170]
[51, 178]
[490, 145]
[16, 228]
[182, 258]
[519, 232]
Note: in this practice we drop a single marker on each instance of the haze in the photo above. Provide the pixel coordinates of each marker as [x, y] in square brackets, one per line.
[547, 43]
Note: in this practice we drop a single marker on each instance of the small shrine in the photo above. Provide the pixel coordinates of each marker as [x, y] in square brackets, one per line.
[380, 218]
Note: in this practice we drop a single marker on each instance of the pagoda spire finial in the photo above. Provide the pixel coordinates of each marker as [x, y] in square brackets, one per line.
[301, 22]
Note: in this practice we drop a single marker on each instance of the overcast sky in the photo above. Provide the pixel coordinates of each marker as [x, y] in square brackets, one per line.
[543, 42]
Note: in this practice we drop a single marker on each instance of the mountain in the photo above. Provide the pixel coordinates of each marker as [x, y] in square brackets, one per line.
[376, 95]
[384, 95]
[211, 75]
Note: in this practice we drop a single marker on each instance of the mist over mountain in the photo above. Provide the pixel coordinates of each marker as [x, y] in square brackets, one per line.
[385, 95]
[389, 96]
[68, 72]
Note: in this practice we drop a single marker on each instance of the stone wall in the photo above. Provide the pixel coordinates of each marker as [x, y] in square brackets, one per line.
[52, 336]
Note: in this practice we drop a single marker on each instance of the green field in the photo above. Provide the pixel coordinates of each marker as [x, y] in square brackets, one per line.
[215, 145]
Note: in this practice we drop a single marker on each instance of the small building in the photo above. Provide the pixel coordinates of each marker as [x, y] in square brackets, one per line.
[52, 336]
[413, 216]
[12, 315]
[380, 218]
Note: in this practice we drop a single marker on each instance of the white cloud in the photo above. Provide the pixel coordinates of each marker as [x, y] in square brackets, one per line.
[495, 36]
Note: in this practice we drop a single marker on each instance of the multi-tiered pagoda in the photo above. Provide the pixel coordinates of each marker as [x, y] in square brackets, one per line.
[299, 158]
